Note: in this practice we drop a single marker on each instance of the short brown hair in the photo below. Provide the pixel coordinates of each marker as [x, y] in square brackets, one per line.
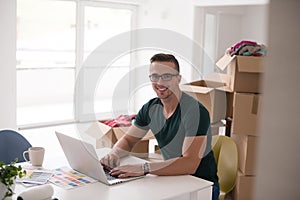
[161, 57]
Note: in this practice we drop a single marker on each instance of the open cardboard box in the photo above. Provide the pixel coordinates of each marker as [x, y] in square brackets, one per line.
[141, 149]
[223, 78]
[103, 135]
[245, 72]
[106, 136]
[246, 109]
[212, 96]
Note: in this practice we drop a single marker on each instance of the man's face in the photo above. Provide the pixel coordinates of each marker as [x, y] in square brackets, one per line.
[165, 88]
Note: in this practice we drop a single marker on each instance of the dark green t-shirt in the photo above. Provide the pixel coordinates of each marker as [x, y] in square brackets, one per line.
[189, 119]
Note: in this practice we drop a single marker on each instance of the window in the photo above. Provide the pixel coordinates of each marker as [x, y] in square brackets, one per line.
[98, 29]
[52, 47]
[210, 31]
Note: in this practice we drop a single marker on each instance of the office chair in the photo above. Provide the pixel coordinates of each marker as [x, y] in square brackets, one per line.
[12, 146]
[226, 156]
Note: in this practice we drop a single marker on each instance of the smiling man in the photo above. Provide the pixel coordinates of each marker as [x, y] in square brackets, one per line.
[180, 124]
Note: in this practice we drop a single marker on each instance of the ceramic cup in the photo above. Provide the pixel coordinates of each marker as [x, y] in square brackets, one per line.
[36, 155]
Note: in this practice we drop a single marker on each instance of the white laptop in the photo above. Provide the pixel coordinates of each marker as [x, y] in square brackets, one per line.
[83, 158]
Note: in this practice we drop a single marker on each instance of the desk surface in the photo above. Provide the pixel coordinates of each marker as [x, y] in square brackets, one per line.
[148, 188]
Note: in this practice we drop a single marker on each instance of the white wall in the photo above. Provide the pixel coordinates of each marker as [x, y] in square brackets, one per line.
[255, 23]
[177, 16]
[278, 154]
[7, 64]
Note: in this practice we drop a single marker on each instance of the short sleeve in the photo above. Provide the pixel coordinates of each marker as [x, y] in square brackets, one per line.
[142, 120]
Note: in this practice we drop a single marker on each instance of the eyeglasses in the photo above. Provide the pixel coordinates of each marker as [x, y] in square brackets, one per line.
[164, 77]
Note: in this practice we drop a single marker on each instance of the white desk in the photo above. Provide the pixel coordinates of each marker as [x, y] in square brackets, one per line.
[149, 188]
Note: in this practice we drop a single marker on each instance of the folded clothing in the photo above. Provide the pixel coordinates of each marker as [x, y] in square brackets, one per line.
[41, 192]
[247, 48]
[121, 120]
[239, 45]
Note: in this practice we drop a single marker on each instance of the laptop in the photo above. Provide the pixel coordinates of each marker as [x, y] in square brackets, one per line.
[82, 157]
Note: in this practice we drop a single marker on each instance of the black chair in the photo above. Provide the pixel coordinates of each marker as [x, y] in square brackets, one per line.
[12, 146]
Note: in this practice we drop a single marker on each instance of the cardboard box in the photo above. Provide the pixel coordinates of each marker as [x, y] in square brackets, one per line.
[141, 149]
[247, 153]
[246, 72]
[106, 136]
[103, 135]
[217, 77]
[246, 109]
[223, 78]
[244, 187]
[213, 99]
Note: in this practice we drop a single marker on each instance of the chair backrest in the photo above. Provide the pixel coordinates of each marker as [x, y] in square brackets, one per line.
[12, 146]
[226, 156]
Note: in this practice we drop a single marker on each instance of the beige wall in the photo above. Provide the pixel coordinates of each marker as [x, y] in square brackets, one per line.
[279, 155]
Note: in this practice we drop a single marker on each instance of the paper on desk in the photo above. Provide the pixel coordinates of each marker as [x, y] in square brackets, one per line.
[68, 178]
[34, 175]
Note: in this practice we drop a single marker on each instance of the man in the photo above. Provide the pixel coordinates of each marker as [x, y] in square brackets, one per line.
[180, 124]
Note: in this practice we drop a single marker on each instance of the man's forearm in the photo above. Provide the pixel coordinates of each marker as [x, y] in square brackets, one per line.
[175, 166]
[122, 147]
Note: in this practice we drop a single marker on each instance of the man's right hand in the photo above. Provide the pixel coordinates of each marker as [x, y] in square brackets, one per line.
[110, 161]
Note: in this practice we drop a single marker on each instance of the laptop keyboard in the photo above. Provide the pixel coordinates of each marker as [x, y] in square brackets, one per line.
[108, 176]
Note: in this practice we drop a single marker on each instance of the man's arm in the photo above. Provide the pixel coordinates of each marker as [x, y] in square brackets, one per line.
[123, 146]
[192, 153]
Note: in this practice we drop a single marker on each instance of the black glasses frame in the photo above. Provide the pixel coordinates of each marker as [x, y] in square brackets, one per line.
[164, 77]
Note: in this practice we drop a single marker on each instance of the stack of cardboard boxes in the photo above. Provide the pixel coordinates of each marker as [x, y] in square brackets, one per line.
[234, 97]
[245, 74]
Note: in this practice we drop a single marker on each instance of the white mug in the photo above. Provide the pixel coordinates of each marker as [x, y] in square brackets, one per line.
[36, 155]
